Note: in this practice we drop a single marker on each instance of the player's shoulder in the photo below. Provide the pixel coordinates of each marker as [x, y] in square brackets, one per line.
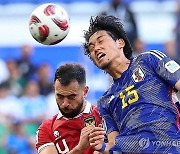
[48, 122]
[153, 53]
[94, 108]
[90, 108]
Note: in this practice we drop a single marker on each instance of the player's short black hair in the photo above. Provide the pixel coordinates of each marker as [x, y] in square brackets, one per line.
[68, 72]
[114, 28]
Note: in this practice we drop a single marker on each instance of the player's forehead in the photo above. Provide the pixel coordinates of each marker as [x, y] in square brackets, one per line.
[97, 35]
[65, 90]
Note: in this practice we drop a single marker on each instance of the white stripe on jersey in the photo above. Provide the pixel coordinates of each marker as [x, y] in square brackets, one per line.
[174, 97]
[159, 53]
[148, 52]
[45, 145]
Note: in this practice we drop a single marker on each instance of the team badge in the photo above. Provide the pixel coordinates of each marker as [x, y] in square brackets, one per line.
[172, 66]
[89, 121]
[138, 74]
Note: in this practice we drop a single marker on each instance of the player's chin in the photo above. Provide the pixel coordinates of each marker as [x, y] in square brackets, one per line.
[105, 66]
[67, 111]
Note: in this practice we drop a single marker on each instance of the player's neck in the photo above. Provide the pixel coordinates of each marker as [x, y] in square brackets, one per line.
[84, 105]
[118, 67]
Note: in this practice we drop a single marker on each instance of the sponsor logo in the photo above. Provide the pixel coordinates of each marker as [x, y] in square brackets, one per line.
[56, 135]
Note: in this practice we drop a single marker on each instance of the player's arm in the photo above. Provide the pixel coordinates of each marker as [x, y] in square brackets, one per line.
[44, 141]
[177, 85]
[83, 141]
[49, 150]
[96, 139]
[111, 141]
[78, 149]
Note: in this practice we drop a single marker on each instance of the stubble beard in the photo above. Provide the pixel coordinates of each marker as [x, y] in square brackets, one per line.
[74, 113]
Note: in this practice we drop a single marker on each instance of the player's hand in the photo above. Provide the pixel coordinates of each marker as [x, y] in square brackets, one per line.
[84, 137]
[96, 137]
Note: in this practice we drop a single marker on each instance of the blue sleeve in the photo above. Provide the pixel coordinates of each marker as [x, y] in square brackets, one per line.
[165, 67]
[108, 122]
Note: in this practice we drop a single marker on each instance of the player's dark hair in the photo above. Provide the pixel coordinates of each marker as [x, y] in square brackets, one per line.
[71, 71]
[114, 28]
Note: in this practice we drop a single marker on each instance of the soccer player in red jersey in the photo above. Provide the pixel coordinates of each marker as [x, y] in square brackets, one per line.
[66, 132]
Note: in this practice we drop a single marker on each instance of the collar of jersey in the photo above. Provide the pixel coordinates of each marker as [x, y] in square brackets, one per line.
[86, 110]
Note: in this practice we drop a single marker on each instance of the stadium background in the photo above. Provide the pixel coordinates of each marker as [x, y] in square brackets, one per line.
[156, 20]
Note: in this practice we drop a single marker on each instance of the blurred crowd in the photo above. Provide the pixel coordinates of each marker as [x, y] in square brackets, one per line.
[26, 91]
[26, 98]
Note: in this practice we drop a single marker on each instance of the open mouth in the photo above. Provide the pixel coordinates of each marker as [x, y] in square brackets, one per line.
[100, 56]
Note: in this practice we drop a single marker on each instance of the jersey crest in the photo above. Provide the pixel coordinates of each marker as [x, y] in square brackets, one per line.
[138, 74]
[89, 121]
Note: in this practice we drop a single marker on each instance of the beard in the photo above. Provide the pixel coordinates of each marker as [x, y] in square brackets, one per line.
[73, 113]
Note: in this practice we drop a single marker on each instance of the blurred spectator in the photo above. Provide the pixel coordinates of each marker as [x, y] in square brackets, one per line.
[17, 142]
[25, 63]
[121, 10]
[177, 32]
[44, 79]
[52, 106]
[170, 49]
[138, 47]
[34, 104]
[4, 71]
[16, 81]
[10, 106]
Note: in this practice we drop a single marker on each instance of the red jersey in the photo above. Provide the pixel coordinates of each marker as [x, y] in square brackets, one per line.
[64, 133]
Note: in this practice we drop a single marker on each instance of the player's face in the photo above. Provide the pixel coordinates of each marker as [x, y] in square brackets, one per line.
[70, 98]
[103, 49]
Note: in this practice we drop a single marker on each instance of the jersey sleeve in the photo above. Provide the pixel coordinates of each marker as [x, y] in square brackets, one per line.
[106, 117]
[95, 112]
[164, 66]
[44, 137]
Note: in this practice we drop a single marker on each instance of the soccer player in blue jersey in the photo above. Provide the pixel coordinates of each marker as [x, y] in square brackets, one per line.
[140, 109]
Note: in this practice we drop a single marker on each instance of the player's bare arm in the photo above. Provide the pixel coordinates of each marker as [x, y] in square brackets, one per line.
[177, 85]
[96, 139]
[111, 141]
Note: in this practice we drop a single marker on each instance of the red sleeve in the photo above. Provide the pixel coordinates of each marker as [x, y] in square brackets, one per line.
[44, 136]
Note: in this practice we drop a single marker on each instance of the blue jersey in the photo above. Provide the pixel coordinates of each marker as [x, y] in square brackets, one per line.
[141, 105]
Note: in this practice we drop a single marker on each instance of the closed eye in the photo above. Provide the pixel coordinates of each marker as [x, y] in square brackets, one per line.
[91, 48]
[72, 96]
[59, 96]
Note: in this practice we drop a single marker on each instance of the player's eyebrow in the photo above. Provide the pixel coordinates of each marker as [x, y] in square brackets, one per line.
[96, 39]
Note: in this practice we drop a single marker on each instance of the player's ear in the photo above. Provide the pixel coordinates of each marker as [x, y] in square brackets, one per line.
[120, 43]
[86, 89]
